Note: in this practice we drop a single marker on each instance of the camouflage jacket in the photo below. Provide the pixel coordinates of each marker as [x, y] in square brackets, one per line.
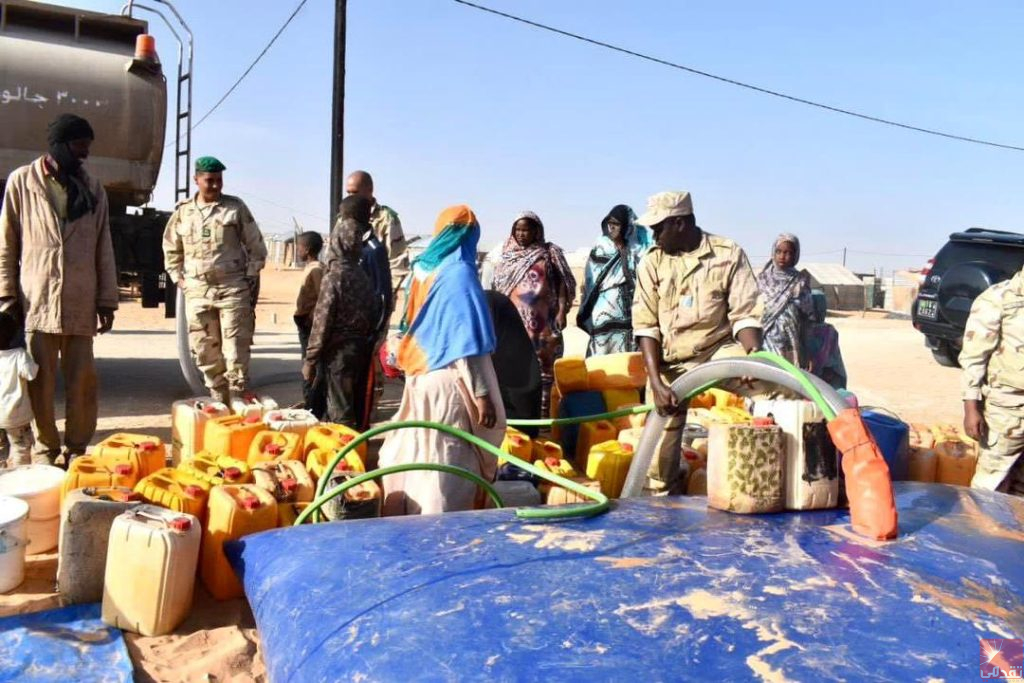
[218, 244]
[388, 228]
[695, 302]
[993, 353]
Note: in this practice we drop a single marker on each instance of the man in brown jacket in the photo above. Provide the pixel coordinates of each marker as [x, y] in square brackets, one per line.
[56, 257]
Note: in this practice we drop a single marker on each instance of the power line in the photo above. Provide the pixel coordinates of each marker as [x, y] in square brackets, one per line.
[730, 81]
[251, 66]
[283, 206]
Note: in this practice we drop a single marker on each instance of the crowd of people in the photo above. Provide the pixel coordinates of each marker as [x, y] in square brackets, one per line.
[471, 358]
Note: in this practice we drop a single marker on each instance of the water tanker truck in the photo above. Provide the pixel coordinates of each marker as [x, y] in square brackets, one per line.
[103, 67]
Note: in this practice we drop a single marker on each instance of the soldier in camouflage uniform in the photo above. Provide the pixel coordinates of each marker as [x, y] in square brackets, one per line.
[696, 300]
[386, 226]
[214, 250]
[993, 363]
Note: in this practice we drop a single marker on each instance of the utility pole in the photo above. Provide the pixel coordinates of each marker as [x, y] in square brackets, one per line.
[844, 257]
[338, 112]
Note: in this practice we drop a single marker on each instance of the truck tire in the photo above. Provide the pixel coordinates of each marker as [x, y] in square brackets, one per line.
[189, 371]
[959, 287]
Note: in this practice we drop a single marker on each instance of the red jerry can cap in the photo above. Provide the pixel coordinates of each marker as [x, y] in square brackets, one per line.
[764, 421]
[132, 496]
[627, 447]
[209, 409]
[122, 468]
[180, 524]
[273, 449]
[193, 491]
[346, 438]
[343, 466]
[250, 503]
[147, 446]
[252, 418]
[289, 484]
[232, 473]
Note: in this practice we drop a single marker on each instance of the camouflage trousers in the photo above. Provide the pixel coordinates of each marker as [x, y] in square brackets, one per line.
[221, 324]
[1000, 465]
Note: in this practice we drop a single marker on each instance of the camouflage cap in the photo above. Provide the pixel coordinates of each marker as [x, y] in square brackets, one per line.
[665, 205]
[209, 165]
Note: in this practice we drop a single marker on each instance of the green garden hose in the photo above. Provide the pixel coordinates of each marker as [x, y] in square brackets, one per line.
[812, 391]
[600, 504]
[395, 469]
[566, 421]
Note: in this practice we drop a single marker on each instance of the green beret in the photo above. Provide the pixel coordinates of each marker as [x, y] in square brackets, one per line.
[209, 165]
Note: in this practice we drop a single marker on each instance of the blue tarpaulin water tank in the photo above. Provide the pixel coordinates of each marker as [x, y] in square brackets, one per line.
[656, 589]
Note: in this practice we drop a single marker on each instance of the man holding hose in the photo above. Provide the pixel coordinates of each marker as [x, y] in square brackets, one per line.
[696, 300]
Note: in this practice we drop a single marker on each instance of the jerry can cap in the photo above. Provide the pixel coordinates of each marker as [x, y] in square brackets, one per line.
[764, 421]
[626, 447]
[346, 438]
[232, 473]
[250, 503]
[209, 409]
[132, 496]
[147, 446]
[122, 468]
[273, 449]
[193, 491]
[289, 484]
[251, 418]
[180, 524]
[343, 466]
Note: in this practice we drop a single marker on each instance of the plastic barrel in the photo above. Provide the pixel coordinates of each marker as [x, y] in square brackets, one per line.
[892, 436]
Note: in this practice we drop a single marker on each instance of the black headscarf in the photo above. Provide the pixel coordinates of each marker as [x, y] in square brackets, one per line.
[624, 215]
[62, 130]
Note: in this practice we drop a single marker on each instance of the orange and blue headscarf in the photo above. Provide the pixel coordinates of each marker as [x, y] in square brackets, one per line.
[446, 316]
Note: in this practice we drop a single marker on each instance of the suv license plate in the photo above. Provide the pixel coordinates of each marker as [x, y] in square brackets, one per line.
[927, 308]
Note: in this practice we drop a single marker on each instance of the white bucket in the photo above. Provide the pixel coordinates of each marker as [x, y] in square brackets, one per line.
[37, 485]
[13, 516]
[43, 535]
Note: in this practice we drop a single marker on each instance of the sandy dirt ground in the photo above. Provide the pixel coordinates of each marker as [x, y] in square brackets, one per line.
[886, 360]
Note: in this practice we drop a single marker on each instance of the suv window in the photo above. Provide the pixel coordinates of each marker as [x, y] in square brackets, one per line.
[1000, 256]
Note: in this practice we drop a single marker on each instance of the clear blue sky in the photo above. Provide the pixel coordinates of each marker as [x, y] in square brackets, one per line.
[446, 104]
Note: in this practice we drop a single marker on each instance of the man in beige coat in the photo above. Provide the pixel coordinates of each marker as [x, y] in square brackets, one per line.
[56, 257]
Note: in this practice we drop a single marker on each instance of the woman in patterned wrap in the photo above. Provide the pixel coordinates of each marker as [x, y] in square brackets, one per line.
[534, 274]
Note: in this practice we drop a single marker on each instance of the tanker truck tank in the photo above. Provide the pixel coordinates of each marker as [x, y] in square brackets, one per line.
[56, 60]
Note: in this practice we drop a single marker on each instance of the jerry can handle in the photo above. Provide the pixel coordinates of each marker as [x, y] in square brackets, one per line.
[147, 515]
